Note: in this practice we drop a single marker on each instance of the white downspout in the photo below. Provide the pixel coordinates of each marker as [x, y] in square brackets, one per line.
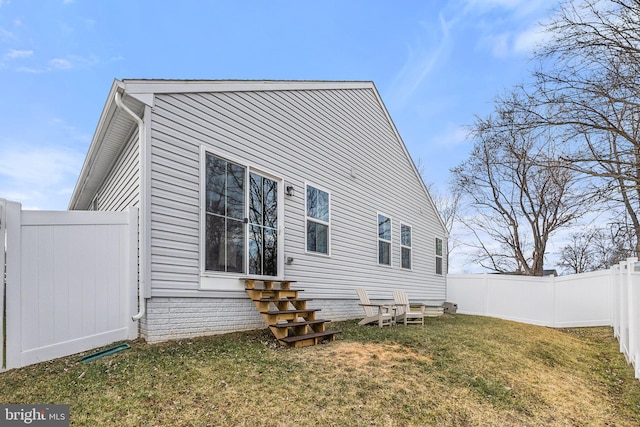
[143, 255]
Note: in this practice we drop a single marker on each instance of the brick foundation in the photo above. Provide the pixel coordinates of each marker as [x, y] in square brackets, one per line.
[179, 318]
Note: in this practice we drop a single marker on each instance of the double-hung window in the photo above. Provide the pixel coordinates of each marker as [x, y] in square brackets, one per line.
[405, 246]
[318, 220]
[384, 240]
[438, 256]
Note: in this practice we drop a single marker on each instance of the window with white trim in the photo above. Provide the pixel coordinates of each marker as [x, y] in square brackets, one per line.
[318, 220]
[438, 256]
[405, 246]
[240, 219]
[224, 215]
[384, 240]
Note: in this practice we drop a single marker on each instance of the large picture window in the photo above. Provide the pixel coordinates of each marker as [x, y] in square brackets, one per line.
[318, 220]
[405, 246]
[384, 240]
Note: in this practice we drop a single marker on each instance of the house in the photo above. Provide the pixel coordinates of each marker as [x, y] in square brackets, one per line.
[297, 180]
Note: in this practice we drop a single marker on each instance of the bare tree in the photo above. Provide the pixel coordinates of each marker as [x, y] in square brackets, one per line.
[589, 81]
[579, 255]
[447, 204]
[597, 248]
[612, 245]
[520, 192]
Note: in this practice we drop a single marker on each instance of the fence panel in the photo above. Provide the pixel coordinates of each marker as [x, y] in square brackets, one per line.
[469, 291]
[71, 283]
[602, 298]
[582, 299]
[571, 301]
[527, 300]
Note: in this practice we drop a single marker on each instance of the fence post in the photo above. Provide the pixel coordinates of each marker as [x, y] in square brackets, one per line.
[615, 300]
[632, 297]
[3, 282]
[631, 323]
[553, 300]
[624, 308]
[13, 313]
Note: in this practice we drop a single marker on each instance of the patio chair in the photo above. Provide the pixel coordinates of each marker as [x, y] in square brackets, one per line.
[381, 313]
[406, 312]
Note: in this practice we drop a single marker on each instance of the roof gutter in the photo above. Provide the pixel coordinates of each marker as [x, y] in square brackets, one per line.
[143, 254]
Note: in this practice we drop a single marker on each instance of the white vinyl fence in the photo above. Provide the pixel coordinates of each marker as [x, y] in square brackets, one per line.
[602, 298]
[71, 281]
[626, 310]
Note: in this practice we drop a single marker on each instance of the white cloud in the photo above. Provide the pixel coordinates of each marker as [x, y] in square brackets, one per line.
[505, 44]
[17, 54]
[6, 34]
[528, 40]
[38, 166]
[519, 8]
[37, 177]
[60, 64]
[29, 70]
[508, 27]
[420, 62]
[41, 174]
[499, 44]
[70, 132]
[452, 136]
[485, 4]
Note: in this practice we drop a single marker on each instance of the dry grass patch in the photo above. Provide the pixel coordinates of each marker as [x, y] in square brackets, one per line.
[456, 371]
[371, 358]
[500, 387]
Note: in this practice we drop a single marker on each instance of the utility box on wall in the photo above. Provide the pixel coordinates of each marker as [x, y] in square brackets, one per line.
[450, 307]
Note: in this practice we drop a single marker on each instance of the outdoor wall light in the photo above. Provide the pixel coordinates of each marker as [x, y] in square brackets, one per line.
[290, 190]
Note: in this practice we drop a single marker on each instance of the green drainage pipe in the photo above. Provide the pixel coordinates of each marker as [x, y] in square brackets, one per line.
[103, 353]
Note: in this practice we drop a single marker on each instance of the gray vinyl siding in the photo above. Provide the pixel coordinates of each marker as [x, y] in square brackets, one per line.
[318, 137]
[121, 188]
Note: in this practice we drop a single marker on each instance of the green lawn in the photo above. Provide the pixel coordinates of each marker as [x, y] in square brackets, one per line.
[457, 370]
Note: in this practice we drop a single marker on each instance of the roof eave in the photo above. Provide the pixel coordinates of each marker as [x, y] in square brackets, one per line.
[96, 163]
[140, 86]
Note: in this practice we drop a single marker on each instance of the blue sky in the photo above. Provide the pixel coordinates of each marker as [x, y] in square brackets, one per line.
[435, 63]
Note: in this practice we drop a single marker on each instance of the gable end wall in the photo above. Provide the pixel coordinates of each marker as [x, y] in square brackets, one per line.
[339, 140]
